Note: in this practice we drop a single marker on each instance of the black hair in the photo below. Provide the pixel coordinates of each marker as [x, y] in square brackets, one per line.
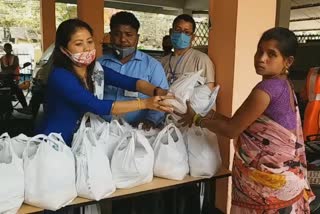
[63, 35]
[7, 45]
[124, 18]
[166, 37]
[287, 41]
[186, 18]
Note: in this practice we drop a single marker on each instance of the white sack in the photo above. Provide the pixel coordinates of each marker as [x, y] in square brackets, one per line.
[182, 89]
[93, 173]
[203, 152]
[11, 177]
[171, 159]
[203, 99]
[49, 168]
[132, 161]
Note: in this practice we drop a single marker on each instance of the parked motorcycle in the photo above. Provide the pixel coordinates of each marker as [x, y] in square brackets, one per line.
[6, 95]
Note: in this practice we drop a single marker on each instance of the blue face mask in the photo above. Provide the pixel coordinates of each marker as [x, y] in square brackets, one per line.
[180, 40]
[123, 52]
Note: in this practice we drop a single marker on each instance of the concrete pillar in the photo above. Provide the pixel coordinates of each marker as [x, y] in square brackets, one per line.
[48, 22]
[233, 39]
[283, 13]
[92, 13]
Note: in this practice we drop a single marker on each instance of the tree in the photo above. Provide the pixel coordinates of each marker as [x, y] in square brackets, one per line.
[21, 13]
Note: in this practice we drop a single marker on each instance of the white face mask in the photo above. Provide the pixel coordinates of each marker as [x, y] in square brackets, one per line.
[82, 58]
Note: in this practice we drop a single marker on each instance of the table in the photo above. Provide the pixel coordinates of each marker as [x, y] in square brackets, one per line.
[157, 184]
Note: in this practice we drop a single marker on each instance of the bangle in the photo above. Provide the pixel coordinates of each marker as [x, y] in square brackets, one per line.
[155, 91]
[139, 103]
[196, 119]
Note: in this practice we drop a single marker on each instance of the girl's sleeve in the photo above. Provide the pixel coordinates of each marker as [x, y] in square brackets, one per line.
[116, 79]
[66, 85]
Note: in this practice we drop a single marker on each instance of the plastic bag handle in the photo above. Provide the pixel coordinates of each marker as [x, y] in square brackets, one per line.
[132, 147]
[6, 137]
[168, 128]
[83, 121]
[36, 139]
[56, 139]
[164, 130]
[116, 122]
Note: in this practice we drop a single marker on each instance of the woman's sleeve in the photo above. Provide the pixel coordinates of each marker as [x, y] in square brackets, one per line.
[66, 85]
[273, 87]
[116, 79]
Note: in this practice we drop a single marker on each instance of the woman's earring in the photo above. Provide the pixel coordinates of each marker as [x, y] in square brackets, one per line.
[285, 70]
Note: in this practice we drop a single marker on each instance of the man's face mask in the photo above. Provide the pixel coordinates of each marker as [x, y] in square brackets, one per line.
[123, 52]
[82, 58]
[180, 40]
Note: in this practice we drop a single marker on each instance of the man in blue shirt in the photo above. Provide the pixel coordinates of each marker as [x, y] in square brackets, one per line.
[126, 59]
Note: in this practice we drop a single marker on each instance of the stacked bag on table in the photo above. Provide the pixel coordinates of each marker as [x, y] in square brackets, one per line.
[43, 171]
[39, 171]
[129, 151]
[202, 145]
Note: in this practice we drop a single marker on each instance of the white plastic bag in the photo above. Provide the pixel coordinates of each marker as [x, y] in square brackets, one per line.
[171, 159]
[182, 89]
[107, 134]
[93, 173]
[203, 152]
[49, 168]
[11, 177]
[203, 99]
[116, 132]
[150, 134]
[19, 144]
[132, 161]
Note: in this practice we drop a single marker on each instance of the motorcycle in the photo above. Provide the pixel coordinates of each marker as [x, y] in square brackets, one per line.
[6, 95]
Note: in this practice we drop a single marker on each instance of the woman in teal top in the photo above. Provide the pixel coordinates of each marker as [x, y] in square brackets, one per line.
[70, 86]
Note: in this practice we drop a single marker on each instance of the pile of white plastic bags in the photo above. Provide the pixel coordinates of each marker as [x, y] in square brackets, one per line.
[43, 171]
[39, 171]
[93, 173]
[12, 177]
[202, 145]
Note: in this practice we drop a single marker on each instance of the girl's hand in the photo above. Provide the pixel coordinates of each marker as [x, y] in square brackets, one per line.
[187, 118]
[157, 103]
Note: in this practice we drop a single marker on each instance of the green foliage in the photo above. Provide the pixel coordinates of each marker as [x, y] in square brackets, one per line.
[18, 13]
[64, 12]
[26, 13]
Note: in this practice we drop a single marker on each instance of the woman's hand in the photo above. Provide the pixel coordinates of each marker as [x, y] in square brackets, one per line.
[157, 103]
[187, 118]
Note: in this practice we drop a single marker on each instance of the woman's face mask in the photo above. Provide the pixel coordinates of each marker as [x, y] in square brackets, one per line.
[82, 58]
[123, 52]
[180, 40]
